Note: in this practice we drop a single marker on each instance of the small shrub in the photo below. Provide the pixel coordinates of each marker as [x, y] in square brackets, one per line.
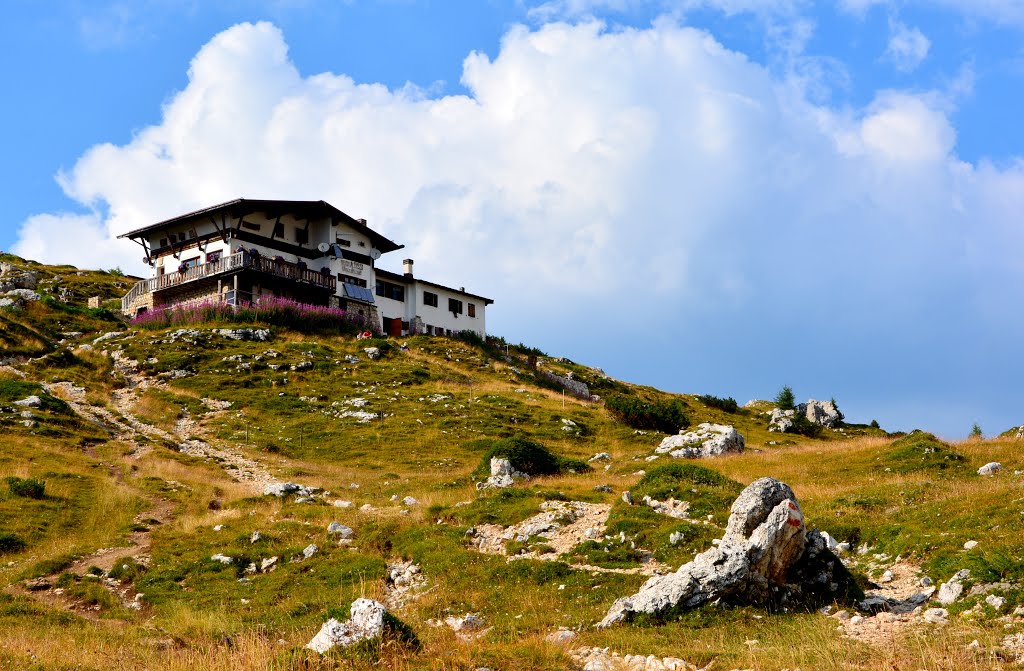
[976, 433]
[842, 417]
[29, 488]
[874, 424]
[804, 427]
[530, 458]
[785, 399]
[10, 543]
[664, 416]
[727, 404]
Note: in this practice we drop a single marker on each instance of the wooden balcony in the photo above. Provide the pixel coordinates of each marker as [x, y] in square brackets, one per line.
[228, 265]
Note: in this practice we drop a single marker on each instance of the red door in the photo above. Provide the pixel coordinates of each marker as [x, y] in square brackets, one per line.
[395, 328]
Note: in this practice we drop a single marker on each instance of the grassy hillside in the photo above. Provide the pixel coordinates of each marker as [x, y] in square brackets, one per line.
[152, 449]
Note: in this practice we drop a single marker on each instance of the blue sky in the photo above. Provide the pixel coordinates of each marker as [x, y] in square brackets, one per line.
[716, 196]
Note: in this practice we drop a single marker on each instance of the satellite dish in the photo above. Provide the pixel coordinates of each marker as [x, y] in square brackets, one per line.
[375, 254]
[324, 247]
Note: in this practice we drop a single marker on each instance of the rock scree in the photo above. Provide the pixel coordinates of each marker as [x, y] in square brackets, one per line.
[766, 557]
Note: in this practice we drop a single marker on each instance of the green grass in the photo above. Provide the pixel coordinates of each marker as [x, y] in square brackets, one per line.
[440, 407]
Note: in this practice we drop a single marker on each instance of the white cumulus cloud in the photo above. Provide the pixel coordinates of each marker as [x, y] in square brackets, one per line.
[907, 48]
[626, 181]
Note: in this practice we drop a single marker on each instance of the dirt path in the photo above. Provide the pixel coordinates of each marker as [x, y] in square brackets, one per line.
[123, 425]
[46, 589]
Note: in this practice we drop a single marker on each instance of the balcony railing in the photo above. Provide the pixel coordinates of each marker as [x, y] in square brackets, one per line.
[227, 264]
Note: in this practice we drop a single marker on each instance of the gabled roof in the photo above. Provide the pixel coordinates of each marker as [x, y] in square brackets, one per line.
[303, 209]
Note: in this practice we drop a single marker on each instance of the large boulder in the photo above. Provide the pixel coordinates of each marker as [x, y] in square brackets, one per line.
[707, 440]
[366, 621]
[822, 413]
[767, 556]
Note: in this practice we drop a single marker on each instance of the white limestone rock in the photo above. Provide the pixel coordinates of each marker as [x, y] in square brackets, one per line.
[707, 440]
[30, 402]
[26, 295]
[990, 468]
[822, 413]
[765, 544]
[340, 530]
[781, 421]
[502, 475]
[951, 591]
[936, 616]
[280, 489]
[366, 621]
[260, 335]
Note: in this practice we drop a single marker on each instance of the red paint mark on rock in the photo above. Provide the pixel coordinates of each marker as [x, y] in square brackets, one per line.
[792, 506]
[793, 523]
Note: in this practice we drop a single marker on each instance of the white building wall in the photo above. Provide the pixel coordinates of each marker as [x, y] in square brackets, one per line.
[320, 231]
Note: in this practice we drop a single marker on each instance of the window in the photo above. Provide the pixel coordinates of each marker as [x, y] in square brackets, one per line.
[393, 291]
[301, 236]
[251, 226]
[348, 279]
[455, 306]
[344, 243]
[163, 242]
[430, 299]
[278, 230]
[471, 309]
[213, 257]
[189, 263]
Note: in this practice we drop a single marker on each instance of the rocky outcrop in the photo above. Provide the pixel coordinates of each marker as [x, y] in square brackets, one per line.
[502, 475]
[822, 413]
[767, 556]
[260, 335]
[281, 489]
[819, 413]
[707, 440]
[781, 421]
[13, 279]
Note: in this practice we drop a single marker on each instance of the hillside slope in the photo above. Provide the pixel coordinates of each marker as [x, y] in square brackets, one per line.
[148, 454]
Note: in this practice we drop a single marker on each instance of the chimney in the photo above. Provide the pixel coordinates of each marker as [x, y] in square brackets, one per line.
[363, 222]
[407, 267]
